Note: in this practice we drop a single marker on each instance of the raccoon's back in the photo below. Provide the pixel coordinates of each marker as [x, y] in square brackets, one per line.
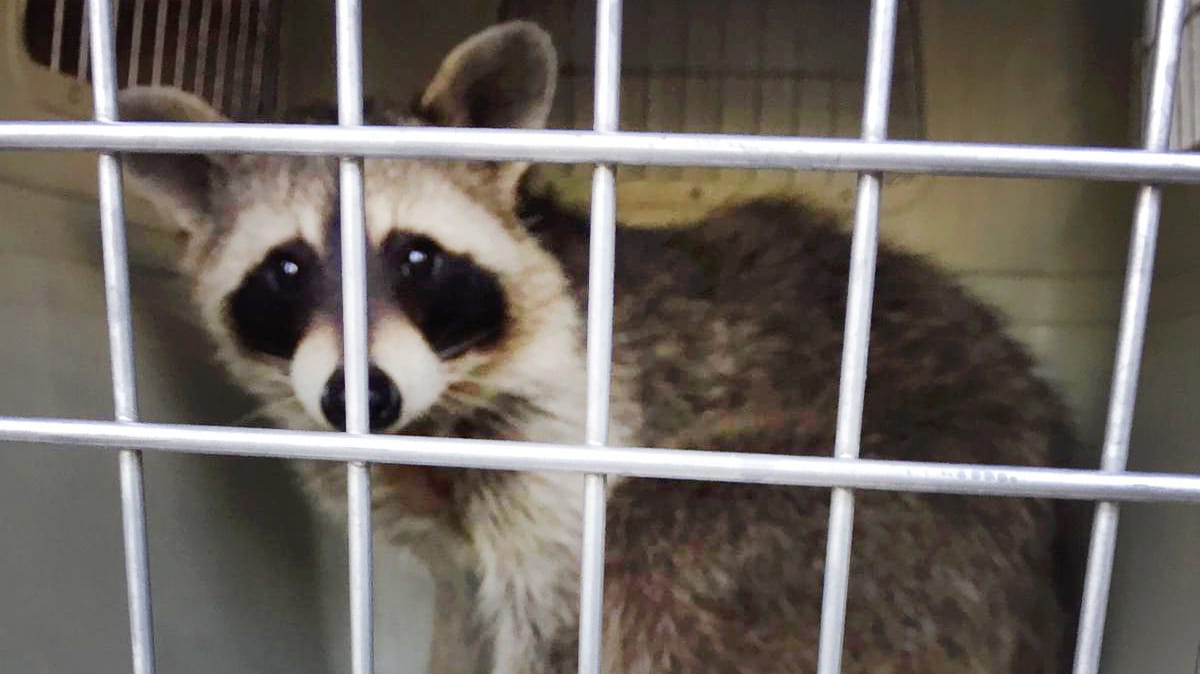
[733, 327]
[729, 333]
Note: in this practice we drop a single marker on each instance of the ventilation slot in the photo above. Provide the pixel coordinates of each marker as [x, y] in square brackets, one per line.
[225, 51]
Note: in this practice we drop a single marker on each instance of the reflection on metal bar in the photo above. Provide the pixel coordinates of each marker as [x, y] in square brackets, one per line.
[681, 464]
[181, 41]
[237, 100]
[160, 42]
[619, 147]
[221, 67]
[606, 108]
[56, 40]
[1130, 338]
[354, 334]
[204, 31]
[120, 338]
[135, 41]
[880, 52]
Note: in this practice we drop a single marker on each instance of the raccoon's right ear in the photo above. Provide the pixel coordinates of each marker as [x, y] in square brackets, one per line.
[179, 184]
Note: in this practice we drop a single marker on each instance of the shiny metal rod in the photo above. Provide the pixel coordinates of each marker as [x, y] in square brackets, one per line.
[852, 389]
[619, 147]
[1130, 338]
[120, 339]
[354, 336]
[599, 335]
[682, 464]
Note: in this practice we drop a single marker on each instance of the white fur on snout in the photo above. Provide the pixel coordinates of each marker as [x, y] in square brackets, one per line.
[402, 353]
[317, 356]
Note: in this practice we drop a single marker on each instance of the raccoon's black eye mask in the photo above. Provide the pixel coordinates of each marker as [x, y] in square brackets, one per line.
[275, 303]
[455, 303]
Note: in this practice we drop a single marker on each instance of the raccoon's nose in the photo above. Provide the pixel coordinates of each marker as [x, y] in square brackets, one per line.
[383, 400]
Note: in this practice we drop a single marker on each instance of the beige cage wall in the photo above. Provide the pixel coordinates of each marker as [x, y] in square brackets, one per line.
[247, 579]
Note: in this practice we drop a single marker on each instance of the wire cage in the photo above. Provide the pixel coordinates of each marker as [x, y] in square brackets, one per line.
[888, 83]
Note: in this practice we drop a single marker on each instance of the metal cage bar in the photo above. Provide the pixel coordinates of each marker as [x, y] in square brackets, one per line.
[354, 331]
[120, 338]
[856, 339]
[1130, 339]
[635, 462]
[599, 334]
[618, 147]
[679, 464]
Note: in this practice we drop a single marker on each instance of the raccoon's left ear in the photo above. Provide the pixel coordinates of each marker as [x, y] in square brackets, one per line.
[501, 77]
[178, 184]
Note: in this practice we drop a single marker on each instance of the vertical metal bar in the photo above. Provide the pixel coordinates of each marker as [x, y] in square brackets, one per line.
[880, 51]
[606, 109]
[135, 42]
[354, 317]
[160, 43]
[239, 61]
[202, 35]
[1130, 338]
[120, 338]
[181, 41]
[222, 64]
[56, 40]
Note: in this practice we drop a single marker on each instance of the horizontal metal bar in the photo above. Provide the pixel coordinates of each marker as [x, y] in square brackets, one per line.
[621, 147]
[811, 471]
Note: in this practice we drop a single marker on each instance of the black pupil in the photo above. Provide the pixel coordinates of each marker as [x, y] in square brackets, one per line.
[274, 304]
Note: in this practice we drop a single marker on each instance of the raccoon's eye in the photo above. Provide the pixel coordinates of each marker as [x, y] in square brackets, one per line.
[455, 303]
[272, 307]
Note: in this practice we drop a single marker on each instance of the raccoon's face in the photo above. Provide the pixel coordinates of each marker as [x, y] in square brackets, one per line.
[472, 330]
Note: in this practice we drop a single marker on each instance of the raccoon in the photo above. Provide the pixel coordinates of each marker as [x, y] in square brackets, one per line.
[728, 336]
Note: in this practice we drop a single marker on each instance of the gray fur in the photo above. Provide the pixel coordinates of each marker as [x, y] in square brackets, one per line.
[727, 337]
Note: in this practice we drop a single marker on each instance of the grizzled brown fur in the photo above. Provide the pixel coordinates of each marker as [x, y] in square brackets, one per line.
[729, 334]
